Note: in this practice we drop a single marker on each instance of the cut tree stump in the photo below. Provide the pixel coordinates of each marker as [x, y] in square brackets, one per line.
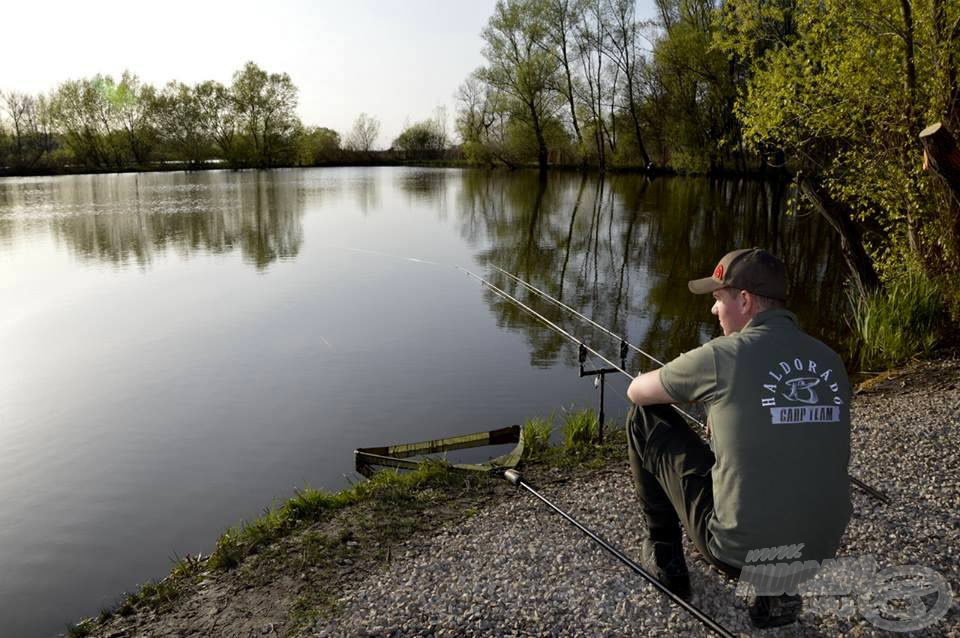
[941, 155]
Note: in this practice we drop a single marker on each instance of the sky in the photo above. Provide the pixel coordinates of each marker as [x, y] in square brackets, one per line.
[396, 60]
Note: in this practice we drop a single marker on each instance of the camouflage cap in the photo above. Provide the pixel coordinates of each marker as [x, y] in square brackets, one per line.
[751, 269]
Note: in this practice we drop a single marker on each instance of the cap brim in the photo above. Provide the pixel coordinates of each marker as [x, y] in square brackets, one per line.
[704, 286]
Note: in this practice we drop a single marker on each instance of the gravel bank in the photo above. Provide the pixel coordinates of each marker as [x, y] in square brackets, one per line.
[517, 569]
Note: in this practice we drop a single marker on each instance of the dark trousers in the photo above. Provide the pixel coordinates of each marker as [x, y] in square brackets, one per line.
[671, 470]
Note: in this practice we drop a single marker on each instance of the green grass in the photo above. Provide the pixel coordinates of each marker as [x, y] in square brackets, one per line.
[311, 505]
[80, 630]
[579, 440]
[580, 432]
[536, 437]
[901, 323]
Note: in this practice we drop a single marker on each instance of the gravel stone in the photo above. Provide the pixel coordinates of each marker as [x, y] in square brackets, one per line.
[518, 569]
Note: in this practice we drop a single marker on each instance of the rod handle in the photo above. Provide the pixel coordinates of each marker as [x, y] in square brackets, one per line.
[513, 476]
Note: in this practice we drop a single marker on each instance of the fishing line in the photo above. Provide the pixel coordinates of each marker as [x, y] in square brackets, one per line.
[860, 484]
[593, 323]
[379, 253]
[563, 332]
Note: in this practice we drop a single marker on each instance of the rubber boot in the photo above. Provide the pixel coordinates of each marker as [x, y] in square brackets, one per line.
[775, 611]
[664, 560]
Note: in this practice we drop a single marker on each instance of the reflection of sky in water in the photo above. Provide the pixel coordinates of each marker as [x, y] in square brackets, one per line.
[181, 349]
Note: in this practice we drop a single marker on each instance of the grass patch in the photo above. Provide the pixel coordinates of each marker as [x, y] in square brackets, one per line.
[390, 488]
[81, 629]
[578, 445]
[898, 324]
[581, 431]
[536, 437]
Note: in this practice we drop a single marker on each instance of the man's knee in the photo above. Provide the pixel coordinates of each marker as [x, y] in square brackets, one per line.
[646, 425]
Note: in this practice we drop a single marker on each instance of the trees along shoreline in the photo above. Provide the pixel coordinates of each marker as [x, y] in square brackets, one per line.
[829, 93]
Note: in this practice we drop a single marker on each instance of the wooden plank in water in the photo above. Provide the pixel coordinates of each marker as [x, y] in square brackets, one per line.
[395, 455]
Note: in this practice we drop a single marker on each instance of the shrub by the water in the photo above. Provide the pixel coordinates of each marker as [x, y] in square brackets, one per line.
[900, 323]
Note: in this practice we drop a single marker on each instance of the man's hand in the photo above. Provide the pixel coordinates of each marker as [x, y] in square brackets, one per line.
[647, 389]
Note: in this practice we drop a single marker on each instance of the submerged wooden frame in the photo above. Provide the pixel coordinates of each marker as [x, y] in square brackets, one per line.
[397, 456]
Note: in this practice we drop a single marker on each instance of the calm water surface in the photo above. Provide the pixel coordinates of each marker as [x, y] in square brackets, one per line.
[179, 350]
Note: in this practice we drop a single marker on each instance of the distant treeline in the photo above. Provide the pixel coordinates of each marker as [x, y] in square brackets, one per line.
[832, 93]
[98, 124]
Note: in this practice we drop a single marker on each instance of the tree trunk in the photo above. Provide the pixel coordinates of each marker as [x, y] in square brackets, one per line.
[851, 244]
[941, 156]
[636, 123]
[541, 142]
[573, 108]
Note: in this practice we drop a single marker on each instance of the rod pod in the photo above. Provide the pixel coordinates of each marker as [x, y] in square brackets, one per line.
[516, 479]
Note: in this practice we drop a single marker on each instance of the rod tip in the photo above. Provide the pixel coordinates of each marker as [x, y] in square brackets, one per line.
[513, 476]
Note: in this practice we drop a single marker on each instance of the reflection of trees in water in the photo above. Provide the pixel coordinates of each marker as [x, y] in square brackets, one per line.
[270, 215]
[365, 187]
[425, 186]
[126, 219]
[622, 249]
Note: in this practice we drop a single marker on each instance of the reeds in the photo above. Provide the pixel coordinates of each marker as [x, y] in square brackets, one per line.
[900, 323]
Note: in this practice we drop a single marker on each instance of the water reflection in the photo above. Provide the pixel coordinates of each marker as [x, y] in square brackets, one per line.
[271, 371]
[130, 219]
[621, 250]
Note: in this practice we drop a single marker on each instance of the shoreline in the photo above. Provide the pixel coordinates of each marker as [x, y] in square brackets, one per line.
[308, 580]
[629, 169]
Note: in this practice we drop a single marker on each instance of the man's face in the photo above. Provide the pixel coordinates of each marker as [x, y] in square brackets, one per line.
[732, 308]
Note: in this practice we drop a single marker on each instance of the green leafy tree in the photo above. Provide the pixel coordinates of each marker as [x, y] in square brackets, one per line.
[180, 121]
[690, 104]
[562, 20]
[105, 123]
[265, 106]
[87, 122]
[132, 105]
[220, 121]
[318, 145]
[842, 87]
[425, 139]
[520, 69]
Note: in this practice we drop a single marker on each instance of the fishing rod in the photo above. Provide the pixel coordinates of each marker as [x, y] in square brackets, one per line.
[516, 479]
[872, 491]
[560, 330]
[573, 311]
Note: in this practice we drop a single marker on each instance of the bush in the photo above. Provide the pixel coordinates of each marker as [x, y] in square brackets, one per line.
[901, 323]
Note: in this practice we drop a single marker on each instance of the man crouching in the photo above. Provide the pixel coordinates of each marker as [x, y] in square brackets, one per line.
[778, 411]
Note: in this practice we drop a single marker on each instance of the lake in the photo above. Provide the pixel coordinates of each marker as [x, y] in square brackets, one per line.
[182, 349]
